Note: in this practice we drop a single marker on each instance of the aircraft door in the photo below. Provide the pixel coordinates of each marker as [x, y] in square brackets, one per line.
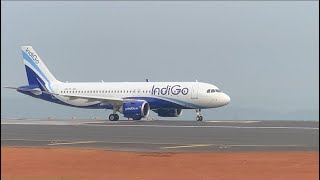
[194, 91]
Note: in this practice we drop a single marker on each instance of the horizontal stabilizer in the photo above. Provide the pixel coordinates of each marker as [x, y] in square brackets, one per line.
[36, 90]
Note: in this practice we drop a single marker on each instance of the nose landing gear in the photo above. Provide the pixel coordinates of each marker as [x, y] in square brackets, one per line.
[199, 116]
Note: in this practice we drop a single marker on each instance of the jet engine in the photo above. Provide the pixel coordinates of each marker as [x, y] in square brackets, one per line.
[135, 110]
[169, 112]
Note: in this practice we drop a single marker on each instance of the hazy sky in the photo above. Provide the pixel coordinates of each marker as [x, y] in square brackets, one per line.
[263, 54]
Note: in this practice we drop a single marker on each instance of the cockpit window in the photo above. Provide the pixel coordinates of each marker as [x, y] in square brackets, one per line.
[208, 91]
[218, 90]
[212, 90]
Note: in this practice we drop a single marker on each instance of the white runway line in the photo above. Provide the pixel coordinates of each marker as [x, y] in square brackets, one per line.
[163, 145]
[191, 126]
[68, 143]
[233, 121]
[186, 146]
[263, 145]
[229, 146]
[36, 140]
[47, 122]
[55, 141]
[102, 124]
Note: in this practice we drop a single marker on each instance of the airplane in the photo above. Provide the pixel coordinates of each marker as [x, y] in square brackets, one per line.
[133, 99]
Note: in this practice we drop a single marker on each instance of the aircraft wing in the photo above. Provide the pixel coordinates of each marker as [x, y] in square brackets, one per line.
[110, 100]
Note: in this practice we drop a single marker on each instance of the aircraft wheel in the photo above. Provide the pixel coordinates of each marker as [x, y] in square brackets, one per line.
[114, 117]
[199, 118]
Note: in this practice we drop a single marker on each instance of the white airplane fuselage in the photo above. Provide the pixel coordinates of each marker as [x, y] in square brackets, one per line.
[183, 95]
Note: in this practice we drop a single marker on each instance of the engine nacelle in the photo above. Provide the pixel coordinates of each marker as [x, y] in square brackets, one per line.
[169, 112]
[135, 110]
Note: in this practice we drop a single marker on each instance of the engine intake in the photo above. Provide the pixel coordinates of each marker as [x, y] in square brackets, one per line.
[169, 112]
[135, 110]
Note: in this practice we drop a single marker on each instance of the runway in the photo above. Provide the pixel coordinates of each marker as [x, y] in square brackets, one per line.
[162, 136]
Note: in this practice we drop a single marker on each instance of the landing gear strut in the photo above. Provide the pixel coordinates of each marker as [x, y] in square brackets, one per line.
[199, 117]
[114, 117]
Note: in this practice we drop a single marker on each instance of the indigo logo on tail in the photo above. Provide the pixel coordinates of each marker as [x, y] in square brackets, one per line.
[33, 56]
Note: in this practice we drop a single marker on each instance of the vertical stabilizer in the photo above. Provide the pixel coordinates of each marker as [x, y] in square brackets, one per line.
[37, 72]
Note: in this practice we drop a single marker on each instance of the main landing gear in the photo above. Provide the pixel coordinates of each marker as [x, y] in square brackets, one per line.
[199, 117]
[114, 117]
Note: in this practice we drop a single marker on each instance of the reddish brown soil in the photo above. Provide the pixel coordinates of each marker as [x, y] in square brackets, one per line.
[65, 164]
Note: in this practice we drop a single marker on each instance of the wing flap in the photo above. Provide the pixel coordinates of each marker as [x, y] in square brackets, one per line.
[109, 100]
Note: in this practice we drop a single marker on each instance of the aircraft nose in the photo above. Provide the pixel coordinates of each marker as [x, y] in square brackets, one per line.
[226, 99]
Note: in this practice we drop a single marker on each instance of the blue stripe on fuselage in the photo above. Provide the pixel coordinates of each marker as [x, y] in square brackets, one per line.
[156, 103]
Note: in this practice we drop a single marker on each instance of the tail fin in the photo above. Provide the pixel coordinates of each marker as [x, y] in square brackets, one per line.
[35, 68]
[37, 72]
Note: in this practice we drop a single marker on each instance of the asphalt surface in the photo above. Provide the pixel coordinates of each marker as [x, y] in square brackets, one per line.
[162, 136]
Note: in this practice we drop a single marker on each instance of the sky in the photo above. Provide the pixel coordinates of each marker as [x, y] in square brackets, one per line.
[263, 54]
